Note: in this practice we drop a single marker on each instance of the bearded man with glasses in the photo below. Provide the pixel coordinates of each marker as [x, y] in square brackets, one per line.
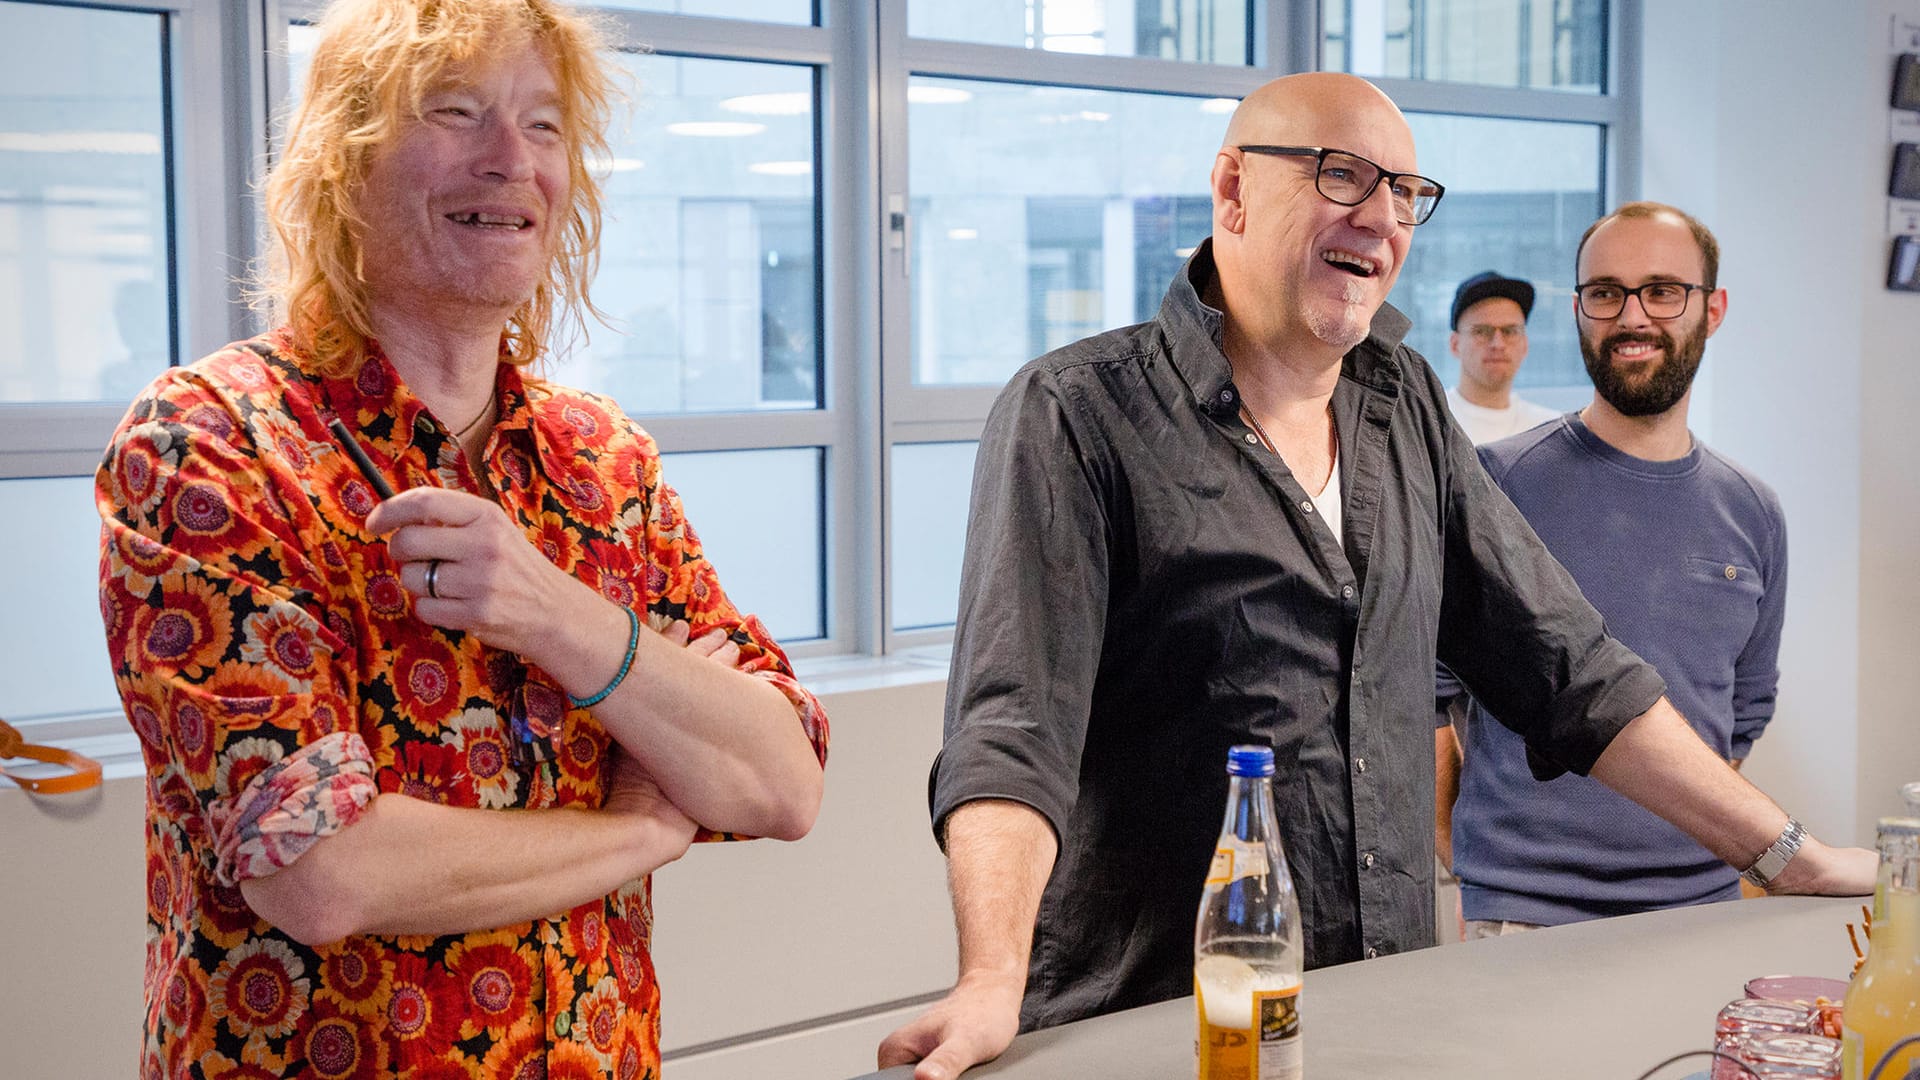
[1250, 520]
[1682, 550]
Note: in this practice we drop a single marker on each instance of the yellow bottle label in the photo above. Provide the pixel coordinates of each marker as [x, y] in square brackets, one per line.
[1221, 871]
[1254, 1037]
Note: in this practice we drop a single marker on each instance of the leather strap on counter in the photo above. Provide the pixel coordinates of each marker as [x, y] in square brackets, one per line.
[85, 774]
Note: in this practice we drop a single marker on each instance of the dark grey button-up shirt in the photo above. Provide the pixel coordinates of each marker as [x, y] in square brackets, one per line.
[1145, 585]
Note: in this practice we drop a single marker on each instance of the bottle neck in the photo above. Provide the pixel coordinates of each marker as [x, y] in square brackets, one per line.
[1896, 901]
[1899, 861]
[1249, 807]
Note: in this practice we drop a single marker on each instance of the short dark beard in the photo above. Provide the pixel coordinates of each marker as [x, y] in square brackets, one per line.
[1659, 391]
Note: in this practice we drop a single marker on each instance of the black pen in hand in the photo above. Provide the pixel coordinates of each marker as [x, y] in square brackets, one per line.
[359, 456]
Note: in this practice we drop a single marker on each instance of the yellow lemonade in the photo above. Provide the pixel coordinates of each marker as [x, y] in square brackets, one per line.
[1883, 1004]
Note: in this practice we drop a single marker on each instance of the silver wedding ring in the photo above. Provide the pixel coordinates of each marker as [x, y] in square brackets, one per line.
[433, 579]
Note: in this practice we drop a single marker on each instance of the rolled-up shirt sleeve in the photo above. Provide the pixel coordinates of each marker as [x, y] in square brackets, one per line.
[240, 692]
[1516, 630]
[313, 793]
[1033, 602]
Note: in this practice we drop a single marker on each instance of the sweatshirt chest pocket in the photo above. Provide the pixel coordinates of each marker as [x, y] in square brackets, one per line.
[1719, 595]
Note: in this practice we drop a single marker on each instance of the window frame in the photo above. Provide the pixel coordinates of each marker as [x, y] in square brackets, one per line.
[227, 71]
[206, 159]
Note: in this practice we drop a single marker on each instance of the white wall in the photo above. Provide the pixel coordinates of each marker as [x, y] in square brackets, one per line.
[751, 937]
[1812, 380]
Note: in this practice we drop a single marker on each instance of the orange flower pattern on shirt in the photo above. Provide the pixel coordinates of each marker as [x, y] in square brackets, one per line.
[268, 659]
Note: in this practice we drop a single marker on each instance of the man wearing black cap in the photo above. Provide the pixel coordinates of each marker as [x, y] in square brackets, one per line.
[1490, 340]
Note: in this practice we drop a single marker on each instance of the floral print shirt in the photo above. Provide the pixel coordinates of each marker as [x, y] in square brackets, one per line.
[268, 658]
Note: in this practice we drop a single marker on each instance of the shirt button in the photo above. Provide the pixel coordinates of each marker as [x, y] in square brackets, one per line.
[1372, 953]
[1367, 860]
[1732, 573]
[1306, 506]
[1360, 764]
[1226, 397]
[1346, 592]
[1252, 438]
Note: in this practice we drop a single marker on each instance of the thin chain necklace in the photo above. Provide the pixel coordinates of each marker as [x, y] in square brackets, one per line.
[485, 411]
[1332, 430]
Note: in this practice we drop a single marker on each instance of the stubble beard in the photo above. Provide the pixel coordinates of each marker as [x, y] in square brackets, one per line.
[1347, 327]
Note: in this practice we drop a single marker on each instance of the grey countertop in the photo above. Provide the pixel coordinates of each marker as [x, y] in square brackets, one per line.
[1605, 1000]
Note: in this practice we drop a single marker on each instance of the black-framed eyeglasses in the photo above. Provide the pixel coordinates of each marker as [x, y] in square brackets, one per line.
[1348, 179]
[1659, 299]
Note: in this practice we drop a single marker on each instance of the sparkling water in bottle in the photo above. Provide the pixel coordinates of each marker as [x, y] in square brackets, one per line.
[1246, 945]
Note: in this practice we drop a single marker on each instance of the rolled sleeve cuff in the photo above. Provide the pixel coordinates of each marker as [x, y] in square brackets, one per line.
[313, 793]
[1587, 719]
[977, 765]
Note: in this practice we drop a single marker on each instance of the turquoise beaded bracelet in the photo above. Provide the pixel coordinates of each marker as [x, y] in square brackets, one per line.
[626, 663]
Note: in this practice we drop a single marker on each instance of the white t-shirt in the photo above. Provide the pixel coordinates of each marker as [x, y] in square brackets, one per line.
[1328, 501]
[1484, 425]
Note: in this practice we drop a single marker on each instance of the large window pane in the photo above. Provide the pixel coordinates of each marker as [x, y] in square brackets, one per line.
[709, 270]
[708, 264]
[931, 482]
[1204, 31]
[53, 652]
[1043, 214]
[84, 265]
[758, 515]
[775, 11]
[1519, 194]
[1546, 44]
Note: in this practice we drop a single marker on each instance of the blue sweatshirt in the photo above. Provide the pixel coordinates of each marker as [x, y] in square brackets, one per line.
[1687, 562]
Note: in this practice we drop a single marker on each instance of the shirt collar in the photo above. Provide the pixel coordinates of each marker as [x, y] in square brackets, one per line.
[374, 402]
[1193, 330]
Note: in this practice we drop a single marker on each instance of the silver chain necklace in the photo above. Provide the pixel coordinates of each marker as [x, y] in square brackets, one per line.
[1333, 429]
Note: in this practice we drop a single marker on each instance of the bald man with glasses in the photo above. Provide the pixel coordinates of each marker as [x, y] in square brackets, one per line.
[1249, 520]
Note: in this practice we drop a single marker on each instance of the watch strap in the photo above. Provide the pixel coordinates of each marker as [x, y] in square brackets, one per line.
[1778, 854]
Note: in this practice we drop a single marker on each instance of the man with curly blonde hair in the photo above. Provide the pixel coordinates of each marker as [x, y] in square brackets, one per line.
[342, 692]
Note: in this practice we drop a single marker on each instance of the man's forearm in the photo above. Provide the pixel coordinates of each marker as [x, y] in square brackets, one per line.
[1658, 761]
[726, 746]
[999, 856]
[413, 867]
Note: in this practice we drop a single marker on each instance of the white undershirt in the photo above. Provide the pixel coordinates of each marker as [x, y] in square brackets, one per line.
[1327, 503]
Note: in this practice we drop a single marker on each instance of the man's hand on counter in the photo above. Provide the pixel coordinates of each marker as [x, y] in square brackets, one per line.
[1818, 869]
[975, 1022]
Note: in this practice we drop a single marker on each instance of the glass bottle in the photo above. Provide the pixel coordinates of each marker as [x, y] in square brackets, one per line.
[1246, 942]
[1883, 1004]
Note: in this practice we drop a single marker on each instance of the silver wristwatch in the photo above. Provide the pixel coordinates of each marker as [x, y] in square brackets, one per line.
[1775, 859]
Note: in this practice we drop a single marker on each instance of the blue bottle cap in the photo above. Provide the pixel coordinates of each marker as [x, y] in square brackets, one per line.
[1250, 761]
